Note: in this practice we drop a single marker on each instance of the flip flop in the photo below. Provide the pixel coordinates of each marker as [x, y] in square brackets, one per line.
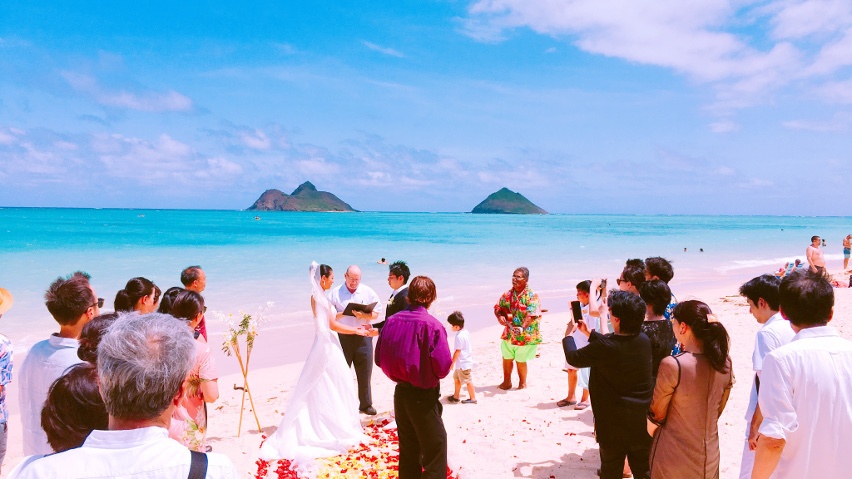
[563, 403]
[452, 399]
[581, 405]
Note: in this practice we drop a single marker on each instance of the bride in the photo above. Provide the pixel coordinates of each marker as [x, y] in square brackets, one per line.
[321, 419]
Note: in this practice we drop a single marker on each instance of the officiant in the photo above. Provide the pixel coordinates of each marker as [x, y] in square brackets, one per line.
[357, 350]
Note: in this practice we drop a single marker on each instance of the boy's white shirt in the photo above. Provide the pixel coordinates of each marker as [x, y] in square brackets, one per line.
[462, 343]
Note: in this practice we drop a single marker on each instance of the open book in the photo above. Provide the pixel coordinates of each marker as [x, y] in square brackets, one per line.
[362, 308]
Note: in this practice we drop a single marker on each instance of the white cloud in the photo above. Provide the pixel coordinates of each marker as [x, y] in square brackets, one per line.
[724, 126]
[840, 122]
[797, 19]
[256, 139]
[551, 50]
[745, 50]
[381, 49]
[837, 91]
[148, 101]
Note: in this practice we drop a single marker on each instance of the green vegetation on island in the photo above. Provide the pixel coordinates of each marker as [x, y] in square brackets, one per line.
[304, 198]
[507, 201]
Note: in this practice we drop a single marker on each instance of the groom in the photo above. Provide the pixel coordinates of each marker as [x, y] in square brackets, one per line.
[357, 349]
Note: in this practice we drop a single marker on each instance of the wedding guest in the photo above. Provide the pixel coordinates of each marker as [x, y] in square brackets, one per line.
[620, 385]
[142, 363]
[580, 375]
[690, 394]
[357, 349]
[763, 296]
[657, 267]
[632, 277]
[6, 301]
[193, 278]
[656, 295]
[462, 360]
[519, 312]
[139, 294]
[189, 420]
[91, 336]
[72, 302]
[660, 268]
[398, 274]
[804, 389]
[412, 350]
[169, 298]
[74, 408]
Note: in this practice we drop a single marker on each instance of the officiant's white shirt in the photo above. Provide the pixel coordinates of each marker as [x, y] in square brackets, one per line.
[340, 297]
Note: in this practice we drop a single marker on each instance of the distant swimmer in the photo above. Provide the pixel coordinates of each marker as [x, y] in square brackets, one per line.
[257, 218]
[382, 261]
[684, 250]
[700, 250]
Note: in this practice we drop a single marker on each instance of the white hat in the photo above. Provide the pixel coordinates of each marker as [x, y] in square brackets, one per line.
[6, 300]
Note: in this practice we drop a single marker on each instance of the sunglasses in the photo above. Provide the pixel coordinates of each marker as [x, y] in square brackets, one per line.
[205, 309]
[99, 304]
[621, 280]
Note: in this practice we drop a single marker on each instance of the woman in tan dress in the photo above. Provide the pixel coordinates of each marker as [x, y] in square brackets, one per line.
[691, 391]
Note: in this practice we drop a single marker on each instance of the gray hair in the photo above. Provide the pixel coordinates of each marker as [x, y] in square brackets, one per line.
[524, 271]
[142, 362]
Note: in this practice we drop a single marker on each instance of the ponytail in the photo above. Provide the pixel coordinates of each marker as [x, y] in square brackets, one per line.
[122, 302]
[136, 288]
[711, 333]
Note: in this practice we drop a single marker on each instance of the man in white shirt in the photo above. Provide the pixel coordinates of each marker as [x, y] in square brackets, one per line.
[357, 350]
[806, 390]
[143, 361]
[72, 302]
[763, 302]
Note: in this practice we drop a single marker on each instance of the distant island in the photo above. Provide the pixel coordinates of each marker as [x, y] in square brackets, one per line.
[304, 198]
[507, 201]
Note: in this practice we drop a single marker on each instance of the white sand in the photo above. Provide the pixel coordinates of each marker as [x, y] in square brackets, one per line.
[509, 433]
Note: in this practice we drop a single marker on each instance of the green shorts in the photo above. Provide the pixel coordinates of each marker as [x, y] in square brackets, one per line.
[520, 354]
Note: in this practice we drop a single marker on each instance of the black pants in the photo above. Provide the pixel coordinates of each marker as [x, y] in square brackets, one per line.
[422, 437]
[612, 461]
[358, 350]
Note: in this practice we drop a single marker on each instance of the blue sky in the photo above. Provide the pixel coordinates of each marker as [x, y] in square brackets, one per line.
[586, 106]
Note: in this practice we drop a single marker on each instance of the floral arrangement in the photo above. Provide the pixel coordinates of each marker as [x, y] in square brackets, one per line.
[378, 459]
[245, 328]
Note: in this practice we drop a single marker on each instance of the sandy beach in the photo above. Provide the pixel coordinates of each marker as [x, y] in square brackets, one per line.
[516, 433]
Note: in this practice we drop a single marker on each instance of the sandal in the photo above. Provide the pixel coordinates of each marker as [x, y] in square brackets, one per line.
[581, 405]
[469, 401]
[453, 399]
[565, 402]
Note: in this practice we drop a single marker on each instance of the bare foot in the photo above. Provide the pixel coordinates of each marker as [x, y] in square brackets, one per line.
[522, 386]
[505, 386]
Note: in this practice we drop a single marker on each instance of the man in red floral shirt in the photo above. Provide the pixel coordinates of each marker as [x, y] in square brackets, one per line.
[518, 310]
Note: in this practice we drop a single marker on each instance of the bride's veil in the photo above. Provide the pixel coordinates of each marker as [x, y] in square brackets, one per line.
[316, 290]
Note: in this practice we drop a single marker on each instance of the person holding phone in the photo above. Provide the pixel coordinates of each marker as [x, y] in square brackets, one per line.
[579, 312]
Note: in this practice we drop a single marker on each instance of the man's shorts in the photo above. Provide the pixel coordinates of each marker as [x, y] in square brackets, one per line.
[847, 252]
[462, 376]
[520, 354]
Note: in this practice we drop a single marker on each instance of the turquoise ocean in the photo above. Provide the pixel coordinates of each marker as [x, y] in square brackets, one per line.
[253, 258]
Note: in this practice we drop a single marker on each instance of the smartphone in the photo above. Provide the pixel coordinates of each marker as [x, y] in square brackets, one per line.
[577, 310]
[603, 284]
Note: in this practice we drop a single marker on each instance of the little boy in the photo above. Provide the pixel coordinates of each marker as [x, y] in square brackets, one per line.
[462, 360]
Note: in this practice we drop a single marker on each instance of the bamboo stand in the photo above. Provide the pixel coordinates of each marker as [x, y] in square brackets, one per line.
[245, 388]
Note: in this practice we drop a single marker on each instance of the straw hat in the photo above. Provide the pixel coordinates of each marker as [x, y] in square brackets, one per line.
[6, 300]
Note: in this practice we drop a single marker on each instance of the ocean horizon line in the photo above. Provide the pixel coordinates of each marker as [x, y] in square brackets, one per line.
[256, 212]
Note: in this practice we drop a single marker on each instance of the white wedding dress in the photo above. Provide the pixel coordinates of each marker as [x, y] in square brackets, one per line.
[321, 419]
